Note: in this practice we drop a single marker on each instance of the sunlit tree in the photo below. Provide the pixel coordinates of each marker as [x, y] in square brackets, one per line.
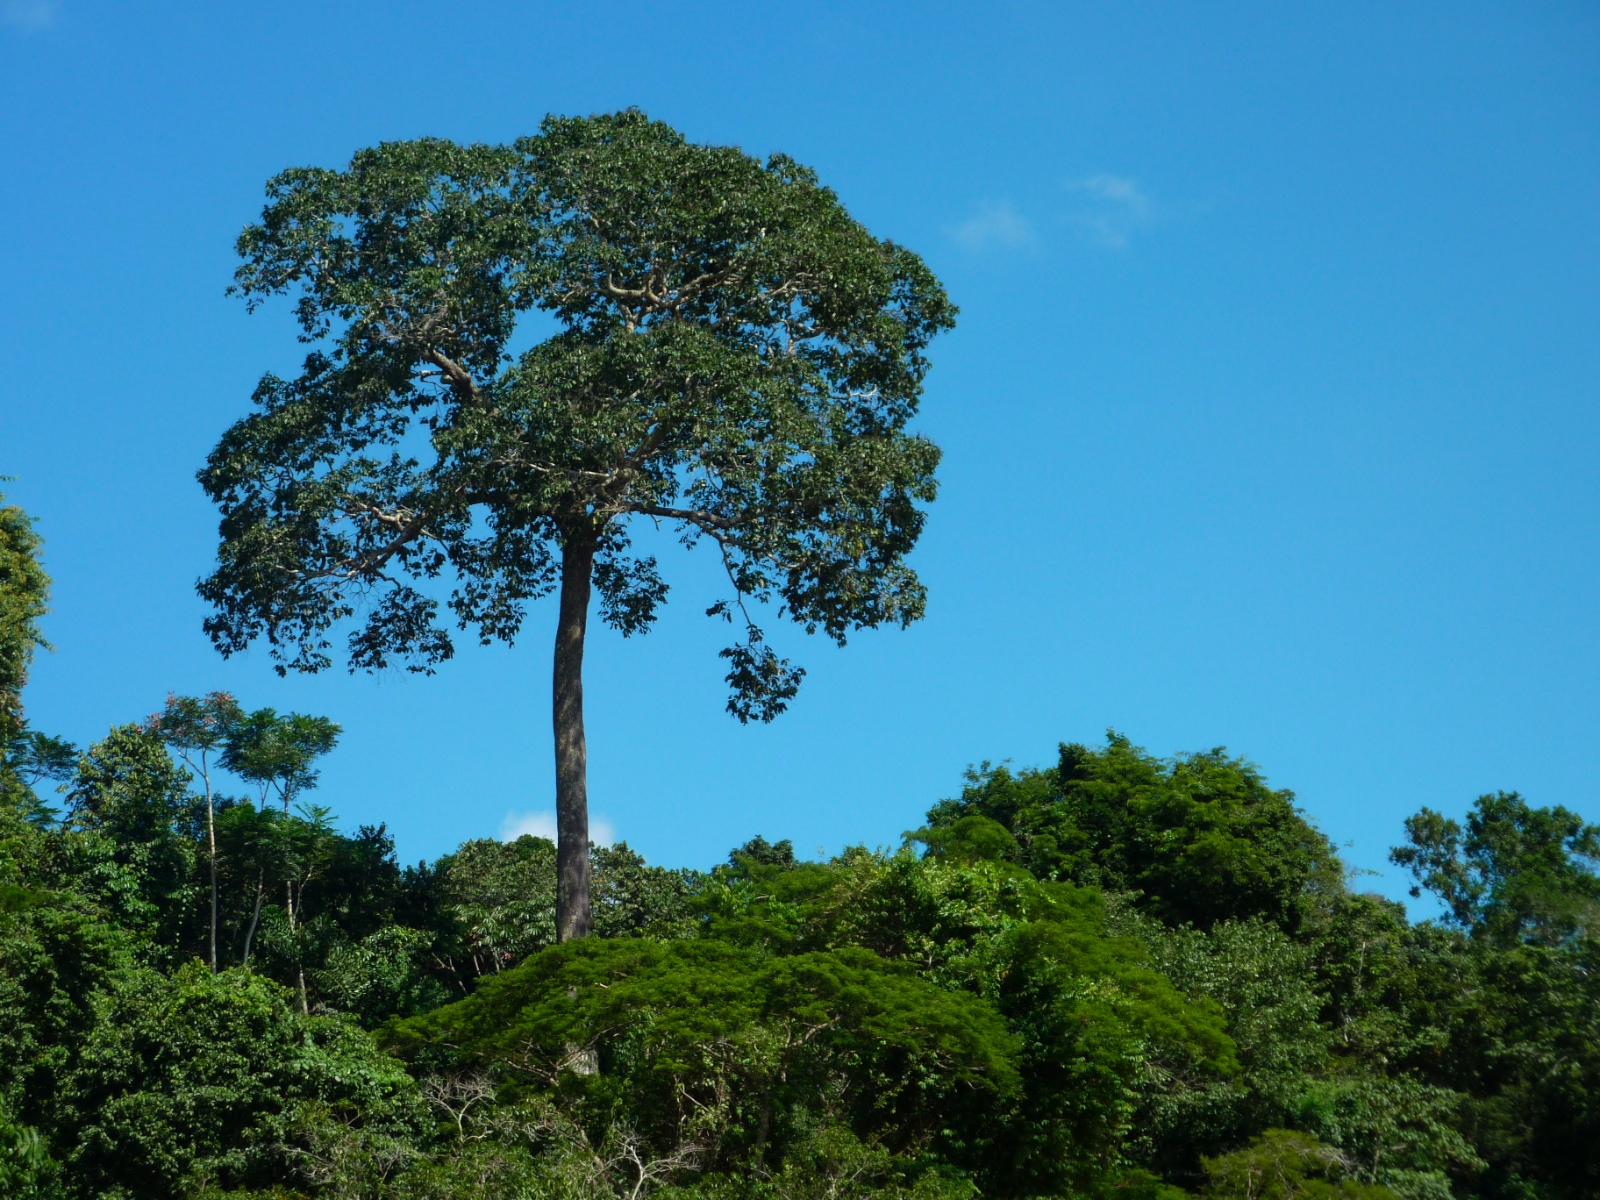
[730, 355]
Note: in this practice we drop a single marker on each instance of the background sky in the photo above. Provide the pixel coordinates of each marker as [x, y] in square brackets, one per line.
[1270, 420]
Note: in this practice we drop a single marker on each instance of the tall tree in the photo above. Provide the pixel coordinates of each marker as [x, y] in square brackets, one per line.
[732, 355]
[195, 728]
[276, 753]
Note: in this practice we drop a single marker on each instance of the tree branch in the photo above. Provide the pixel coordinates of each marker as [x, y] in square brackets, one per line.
[461, 381]
[709, 522]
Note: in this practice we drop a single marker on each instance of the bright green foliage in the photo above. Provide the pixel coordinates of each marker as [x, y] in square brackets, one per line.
[1364, 974]
[720, 1047]
[383, 975]
[1200, 838]
[1397, 1131]
[968, 839]
[938, 1023]
[344, 889]
[1102, 1034]
[142, 826]
[1392, 1129]
[139, 1080]
[252, 865]
[1106, 1038]
[1280, 1165]
[206, 1077]
[55, 960]
[502, 896]
[633, 899]
[1262, 982]
[1137, 1184]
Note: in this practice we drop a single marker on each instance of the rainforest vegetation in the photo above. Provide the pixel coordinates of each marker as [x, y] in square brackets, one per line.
[1113, 976]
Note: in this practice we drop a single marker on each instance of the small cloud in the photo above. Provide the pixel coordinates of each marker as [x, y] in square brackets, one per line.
[1113, 209]
[543, 825]
[29, 15]
[996, 225]
[539, 824]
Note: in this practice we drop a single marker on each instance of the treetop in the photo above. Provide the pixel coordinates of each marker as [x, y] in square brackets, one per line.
[732, 354]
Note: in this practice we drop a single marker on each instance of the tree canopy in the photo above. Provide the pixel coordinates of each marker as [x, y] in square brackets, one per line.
[973, 1014]
[1199, 838]
[1515, 871]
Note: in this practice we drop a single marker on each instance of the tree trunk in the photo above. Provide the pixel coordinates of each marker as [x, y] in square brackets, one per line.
[572, 754]
[299, 966]
[211, 838]
[261, 891]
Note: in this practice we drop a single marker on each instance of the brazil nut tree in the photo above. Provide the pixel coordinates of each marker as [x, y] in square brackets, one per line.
[727, 355]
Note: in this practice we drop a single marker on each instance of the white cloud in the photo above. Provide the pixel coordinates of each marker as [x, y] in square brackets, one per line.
[1113, 209]
[29, 15]
[543, 825]
[996, 225]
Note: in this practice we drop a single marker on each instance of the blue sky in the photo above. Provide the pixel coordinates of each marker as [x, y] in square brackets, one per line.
[1270, 421]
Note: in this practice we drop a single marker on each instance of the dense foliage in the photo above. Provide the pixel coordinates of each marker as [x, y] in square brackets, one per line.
[1119, 976]
[733, 355]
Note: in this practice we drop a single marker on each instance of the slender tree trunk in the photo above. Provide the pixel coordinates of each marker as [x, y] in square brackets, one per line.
[211, 835]
[211, 838]
[292, 907]
[255, 916]
[572, 754]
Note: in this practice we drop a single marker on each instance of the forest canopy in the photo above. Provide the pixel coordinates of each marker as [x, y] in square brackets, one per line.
[1117, 976]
